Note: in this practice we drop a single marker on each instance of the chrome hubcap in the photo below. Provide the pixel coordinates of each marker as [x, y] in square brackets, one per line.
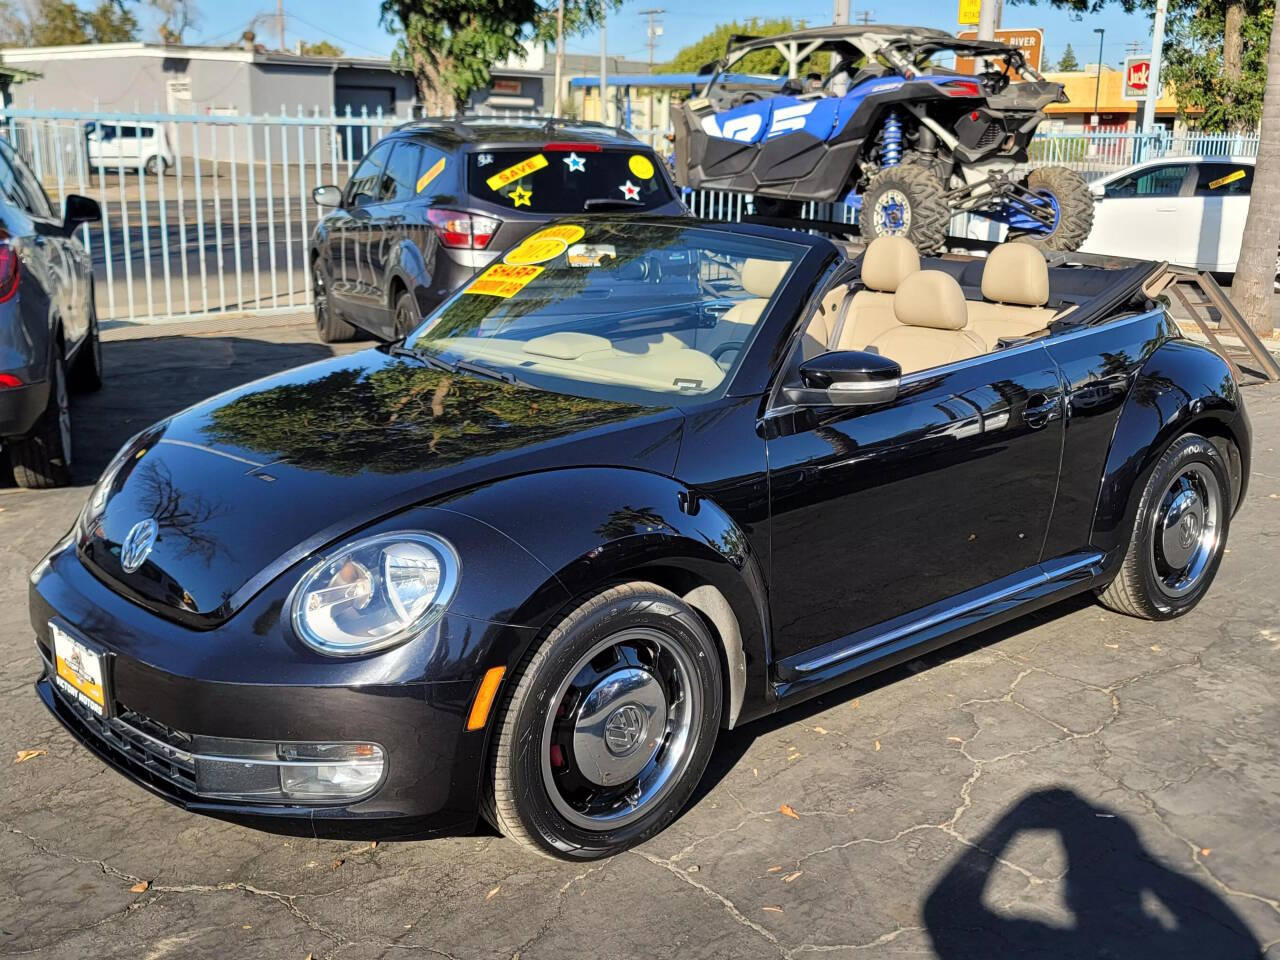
[621, 731]
[1186, 533]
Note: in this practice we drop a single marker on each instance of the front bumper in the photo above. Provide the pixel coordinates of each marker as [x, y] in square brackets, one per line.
[433, 766]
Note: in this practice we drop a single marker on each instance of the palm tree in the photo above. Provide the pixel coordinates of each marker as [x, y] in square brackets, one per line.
[1253, 290]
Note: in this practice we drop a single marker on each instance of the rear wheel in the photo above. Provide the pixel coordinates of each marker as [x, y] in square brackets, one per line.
[156, 165]
[906, 201]
[42, 459]
[607, 727]
[1068, 193]
[331, 328]
[1178, 536]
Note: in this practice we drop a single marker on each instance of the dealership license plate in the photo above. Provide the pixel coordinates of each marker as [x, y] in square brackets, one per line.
[80, 672]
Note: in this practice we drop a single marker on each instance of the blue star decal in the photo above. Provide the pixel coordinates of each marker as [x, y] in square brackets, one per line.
[576, 163]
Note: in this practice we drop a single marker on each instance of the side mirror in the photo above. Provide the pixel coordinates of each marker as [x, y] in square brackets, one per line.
[77, 210]
[846, 378]
[327, 196]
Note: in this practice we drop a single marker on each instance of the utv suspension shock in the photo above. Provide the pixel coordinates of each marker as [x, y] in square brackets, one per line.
[891, 142]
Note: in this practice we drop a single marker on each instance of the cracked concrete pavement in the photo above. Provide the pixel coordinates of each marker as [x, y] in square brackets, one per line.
[1075, 784]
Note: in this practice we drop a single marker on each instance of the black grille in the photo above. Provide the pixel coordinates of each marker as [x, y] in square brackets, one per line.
[159, 750]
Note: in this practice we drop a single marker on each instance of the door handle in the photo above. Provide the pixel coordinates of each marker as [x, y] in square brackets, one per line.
[1041, 410]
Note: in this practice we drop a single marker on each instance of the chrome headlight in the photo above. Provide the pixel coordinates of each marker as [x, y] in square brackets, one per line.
[375, 593]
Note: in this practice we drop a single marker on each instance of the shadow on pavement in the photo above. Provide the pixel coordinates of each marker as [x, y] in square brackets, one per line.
[147, 380]
[1125, 903]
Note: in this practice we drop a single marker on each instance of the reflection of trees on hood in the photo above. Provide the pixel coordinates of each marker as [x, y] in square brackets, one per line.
[398, 418]
[179, 512]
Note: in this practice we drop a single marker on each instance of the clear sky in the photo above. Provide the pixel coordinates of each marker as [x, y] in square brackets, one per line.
[353, 24]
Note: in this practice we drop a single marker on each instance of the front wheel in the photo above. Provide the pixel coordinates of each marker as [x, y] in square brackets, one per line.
[607, 727]
[1178, 536]
[329, 327]
[906, 201]
[1068, 194]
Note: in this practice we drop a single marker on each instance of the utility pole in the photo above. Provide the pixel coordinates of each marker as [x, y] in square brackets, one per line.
[280, 22]
[1097, 86]
[840, 12]
[989, 19]
[1153, 78]
[555, 109]
[604, 67]
[864, 16]
[655, 31]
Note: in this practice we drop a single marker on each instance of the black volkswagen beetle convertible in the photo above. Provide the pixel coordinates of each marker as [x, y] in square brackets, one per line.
[637, 482]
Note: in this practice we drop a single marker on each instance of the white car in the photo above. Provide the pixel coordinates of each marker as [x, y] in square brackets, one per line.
[1189, 211]
[114, 146]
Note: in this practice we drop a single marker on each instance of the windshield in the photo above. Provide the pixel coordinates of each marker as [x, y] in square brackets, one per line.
[565, 177]
[634, 311]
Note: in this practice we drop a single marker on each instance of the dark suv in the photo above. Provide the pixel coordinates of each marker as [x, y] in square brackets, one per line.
[437, 200]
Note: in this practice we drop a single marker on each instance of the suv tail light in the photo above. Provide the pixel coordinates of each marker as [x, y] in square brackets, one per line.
[8, 269]
[962, 88]
[462, 231]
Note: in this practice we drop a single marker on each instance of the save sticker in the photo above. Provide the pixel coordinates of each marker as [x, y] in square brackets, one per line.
[641, 166]
[503, 280]
[544, 245]
[521, 169]
[431, 174]
[1229, 178]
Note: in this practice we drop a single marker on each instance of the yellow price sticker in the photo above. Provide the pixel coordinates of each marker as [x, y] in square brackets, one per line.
[1229, 178]
[521, 169]
[503, 280]
[544, 245]
[434, 171]
[641, 166]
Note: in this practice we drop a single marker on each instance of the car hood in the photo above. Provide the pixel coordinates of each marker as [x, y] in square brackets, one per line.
[249, 482]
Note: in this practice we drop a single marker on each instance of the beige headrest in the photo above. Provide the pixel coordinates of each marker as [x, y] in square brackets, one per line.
[930, 298]
[886, 261]
[761, 277]
[1016, 273]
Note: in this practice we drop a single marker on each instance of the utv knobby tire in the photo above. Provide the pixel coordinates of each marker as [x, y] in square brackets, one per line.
[514, 800]
[1075, 208]
[927, 213]
[1134, 591]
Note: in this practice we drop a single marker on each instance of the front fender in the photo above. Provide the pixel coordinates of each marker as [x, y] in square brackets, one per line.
[1183, 387]
[592, 526]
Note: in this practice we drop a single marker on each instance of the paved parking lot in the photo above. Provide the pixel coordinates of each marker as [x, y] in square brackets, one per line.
[1076, 784]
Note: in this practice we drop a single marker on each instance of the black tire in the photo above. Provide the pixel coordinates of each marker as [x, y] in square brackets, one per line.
[1149, 585]
[1070, 192]
[407, 316]
[518, 799]
[156, 166]
[85, 375]
[42, 459]
[329, 327]
[909, 201]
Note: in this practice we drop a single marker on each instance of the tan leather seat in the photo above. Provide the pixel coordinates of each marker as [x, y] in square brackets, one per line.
[933, 316]
[849, 320]
[1015, 285]
[760, 278]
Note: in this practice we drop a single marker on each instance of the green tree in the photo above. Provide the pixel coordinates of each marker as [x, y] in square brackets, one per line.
[1068, 61]
[711, 47]
[450, 45]
[322, 48]
[55, 23]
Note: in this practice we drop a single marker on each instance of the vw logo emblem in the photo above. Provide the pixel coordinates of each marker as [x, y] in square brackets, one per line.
[1188, 530]
[624, 729]
[137, 544]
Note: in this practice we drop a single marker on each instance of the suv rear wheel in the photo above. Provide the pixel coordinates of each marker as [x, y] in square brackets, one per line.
[42, 459]
[906, 201]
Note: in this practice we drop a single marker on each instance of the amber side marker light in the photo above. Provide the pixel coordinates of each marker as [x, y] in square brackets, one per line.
[484, 698]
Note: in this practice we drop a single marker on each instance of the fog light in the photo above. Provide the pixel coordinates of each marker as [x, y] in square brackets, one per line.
[329, 771]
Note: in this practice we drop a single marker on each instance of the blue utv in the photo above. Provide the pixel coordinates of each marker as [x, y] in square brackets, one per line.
[891, 127]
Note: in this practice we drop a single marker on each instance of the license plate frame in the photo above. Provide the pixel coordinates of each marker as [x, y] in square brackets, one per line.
[81, 670]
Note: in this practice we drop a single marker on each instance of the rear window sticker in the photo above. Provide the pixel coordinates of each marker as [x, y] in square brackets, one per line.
[544, 245]
[591, 254]
[522, 197]
[503, 280]
[629, 190]
[576, 163]
[1229, 178]
[484, 159]
[513, 173]
[641, 166]
[433, 172]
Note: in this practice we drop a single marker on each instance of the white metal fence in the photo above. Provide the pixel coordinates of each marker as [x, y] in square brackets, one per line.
[219, 221]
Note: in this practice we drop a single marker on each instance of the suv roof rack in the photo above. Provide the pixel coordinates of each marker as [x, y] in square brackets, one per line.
[465, 127]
